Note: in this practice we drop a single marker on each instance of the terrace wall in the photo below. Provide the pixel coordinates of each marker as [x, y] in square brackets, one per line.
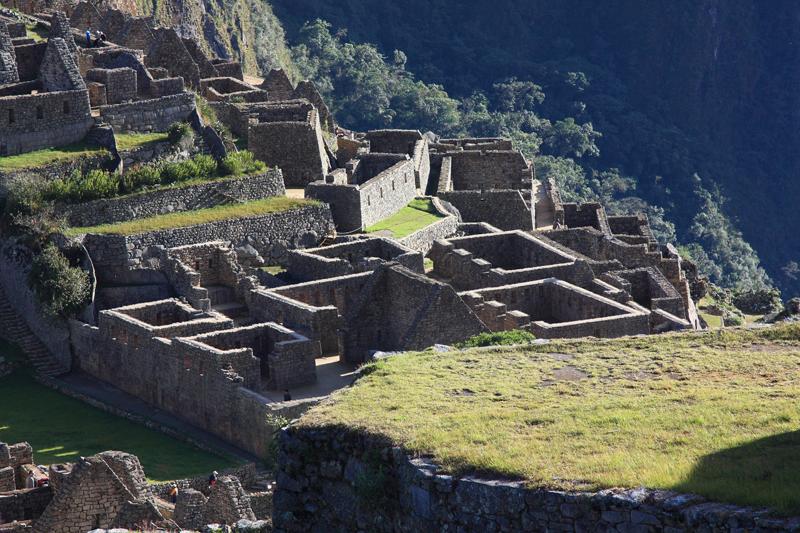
[170, 200]
[321, 472]
[271, 234]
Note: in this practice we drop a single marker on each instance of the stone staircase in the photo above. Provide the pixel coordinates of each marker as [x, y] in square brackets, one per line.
[14, 329]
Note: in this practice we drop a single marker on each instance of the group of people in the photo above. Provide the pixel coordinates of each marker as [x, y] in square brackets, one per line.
[94, 42]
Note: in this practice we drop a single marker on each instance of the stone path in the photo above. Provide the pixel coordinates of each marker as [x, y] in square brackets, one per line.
[85, 385]
[14, 329]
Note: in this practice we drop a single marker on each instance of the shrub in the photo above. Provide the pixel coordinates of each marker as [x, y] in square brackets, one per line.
[61, 288]
[500, 338]
[206, 166]
[82, 188]
[239, 163]
[757, 301]
[24, 197]
[140, 177]
[178, 132]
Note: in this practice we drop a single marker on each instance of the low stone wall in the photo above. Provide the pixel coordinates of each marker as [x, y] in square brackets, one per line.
[246, 474]
[272, 235]
[24, 504]
[176, 199]
[505, 209]
[422, 240]
[149, 115]
[335, 479]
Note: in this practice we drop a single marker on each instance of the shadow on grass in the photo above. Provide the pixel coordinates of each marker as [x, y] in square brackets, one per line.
[761, 473]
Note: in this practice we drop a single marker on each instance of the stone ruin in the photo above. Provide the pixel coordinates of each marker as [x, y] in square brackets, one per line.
[190, 319]
[108, 490]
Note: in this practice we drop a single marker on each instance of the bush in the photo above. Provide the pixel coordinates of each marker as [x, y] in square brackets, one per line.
[239, 163]
[178, 132]
[759, 301]
[140, 177]
[82, 188]
[500, 338]
[61, 288]
[24, 198]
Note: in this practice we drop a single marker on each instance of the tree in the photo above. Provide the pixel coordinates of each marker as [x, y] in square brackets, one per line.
[61, 288]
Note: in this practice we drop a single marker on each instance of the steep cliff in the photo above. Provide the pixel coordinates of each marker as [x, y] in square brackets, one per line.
[246, 30]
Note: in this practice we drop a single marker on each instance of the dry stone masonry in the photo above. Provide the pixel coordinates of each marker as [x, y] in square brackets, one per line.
[213, 323]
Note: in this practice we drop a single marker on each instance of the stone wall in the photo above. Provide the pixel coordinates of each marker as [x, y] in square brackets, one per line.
[271, 235]
[342, 259]
[180, 377]
[292, 143]
[32, 122]
[149, 115]
[322, 485]
[120, 83]
[387, 187]
[29, 57]
[422, 240]
[480, 170]
[26, 504]
[505, 209]
[170, 200]
[387, 193]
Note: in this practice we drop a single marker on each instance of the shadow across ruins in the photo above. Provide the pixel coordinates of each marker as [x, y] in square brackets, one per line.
[762, 472]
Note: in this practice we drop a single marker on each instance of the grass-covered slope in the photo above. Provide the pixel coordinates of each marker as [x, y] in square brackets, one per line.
[418, 214]
[200, 216]
[714, 413]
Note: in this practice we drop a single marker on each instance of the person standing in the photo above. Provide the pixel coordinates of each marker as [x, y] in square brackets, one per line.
[88, 37]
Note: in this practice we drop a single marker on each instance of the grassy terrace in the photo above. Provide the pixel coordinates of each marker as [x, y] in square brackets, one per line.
[48, 156]
[415, 216]
[131, 141]
[714, 413]
[61, 429]
[192, 218]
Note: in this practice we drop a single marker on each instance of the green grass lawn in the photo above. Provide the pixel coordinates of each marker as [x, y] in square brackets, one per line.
[131, 141]
[47, 156]
[415, 216]
[715, 413]
[200, 216]
[61, 429]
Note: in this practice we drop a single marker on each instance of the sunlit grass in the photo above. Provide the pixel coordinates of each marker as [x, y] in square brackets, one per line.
[131, 141]
[200, 216]
[48, 156]
[415, 216]
[62, 429]
[715, 413]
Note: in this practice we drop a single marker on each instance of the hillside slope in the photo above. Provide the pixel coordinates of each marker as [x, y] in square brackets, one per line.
[677, 88]
[243, 29]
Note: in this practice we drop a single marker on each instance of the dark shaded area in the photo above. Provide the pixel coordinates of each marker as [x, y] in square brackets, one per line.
[760, 472]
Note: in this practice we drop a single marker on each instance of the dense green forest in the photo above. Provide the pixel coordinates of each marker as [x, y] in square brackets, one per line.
[683, 109]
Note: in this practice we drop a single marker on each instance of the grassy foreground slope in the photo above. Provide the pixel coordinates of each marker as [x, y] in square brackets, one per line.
[714, 413]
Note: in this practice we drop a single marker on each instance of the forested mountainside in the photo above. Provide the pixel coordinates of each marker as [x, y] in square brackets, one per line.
[679, 90]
